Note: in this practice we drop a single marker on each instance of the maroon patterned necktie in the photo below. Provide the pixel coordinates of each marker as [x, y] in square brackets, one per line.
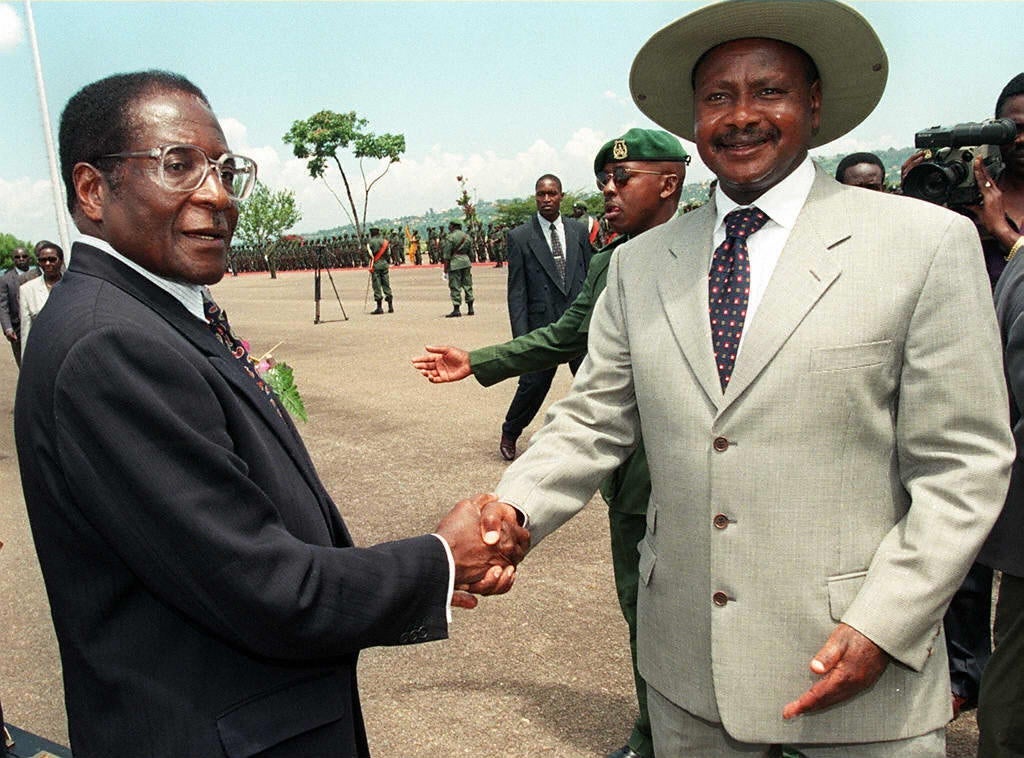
[218, 323]
[729, 287]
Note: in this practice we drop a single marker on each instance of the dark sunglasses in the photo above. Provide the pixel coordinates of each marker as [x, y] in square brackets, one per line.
[620, 175]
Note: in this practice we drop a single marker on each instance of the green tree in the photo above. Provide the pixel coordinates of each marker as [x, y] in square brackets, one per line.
[516, 211]
[465, 202]
[322, 137]
[7, 244]
[263, 217]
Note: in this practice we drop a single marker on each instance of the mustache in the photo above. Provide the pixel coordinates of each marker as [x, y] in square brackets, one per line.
[749, 136]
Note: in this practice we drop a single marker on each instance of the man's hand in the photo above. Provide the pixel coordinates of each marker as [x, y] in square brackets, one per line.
[916, 159]
[443, 363]
[485, 559]
[990, 215]
[11, 335]
[848, 663]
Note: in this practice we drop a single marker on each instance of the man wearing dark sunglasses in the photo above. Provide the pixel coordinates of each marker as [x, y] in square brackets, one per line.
[641, 176]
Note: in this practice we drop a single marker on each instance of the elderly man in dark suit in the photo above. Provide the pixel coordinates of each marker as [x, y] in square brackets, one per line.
[547, 265]
[207, 596]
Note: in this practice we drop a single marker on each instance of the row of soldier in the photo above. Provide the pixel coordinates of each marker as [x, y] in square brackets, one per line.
[344, 250]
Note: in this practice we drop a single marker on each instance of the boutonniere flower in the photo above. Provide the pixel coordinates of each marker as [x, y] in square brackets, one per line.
[280, 377]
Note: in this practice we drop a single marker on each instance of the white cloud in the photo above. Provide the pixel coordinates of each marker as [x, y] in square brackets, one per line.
[418, 183]
[26, 207]
[411, 187]
[12, 31]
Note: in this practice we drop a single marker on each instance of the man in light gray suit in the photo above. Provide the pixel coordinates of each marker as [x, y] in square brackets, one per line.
[816, 373]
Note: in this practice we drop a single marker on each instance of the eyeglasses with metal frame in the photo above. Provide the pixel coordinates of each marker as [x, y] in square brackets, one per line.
[620, 174]
[184, 168]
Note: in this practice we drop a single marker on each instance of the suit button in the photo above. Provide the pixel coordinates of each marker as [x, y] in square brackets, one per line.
[721, 444]
[720, 599]
[720, 521]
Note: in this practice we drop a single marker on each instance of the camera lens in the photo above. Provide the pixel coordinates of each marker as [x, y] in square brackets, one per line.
[933, 181]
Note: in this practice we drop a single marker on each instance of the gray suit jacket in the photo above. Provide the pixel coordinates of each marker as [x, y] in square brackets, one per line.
[850, 472]
[10, 282]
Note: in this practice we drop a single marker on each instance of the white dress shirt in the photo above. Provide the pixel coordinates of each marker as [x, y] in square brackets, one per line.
[782, 203]
[545, 226]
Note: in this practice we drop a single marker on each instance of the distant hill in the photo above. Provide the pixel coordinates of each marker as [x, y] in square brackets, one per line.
[694, 194]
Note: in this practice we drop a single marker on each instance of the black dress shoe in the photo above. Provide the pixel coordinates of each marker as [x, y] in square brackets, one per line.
[625, 752]
[507, 447]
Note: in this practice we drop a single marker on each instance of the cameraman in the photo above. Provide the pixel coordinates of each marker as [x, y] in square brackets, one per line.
[1001, 213]
[1000, 218]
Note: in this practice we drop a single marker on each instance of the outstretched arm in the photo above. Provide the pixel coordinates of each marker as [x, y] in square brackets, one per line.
[443, 363]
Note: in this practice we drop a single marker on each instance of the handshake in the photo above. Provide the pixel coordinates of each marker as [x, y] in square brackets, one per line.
[487, 544]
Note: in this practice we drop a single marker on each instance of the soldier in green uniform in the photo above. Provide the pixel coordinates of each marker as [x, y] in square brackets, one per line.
[379, 271]
[455, 256]
[641, 176]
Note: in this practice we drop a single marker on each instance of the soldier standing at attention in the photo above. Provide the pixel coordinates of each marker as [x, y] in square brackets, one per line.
[379, 271]
[455, 256]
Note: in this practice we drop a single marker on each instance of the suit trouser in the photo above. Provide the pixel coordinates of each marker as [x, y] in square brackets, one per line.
[1001, 704]
[627, 529]
[530, 393]
[968, 642]
[16, 348]
[680, 733]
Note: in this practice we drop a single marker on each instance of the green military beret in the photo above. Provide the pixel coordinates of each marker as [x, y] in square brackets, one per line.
[641, 145]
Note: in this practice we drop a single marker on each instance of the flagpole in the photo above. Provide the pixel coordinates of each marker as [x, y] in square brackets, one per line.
[51, 155]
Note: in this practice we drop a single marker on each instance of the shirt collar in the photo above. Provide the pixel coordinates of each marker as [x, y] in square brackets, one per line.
[782, 203]
[546, 225]
[189, 295]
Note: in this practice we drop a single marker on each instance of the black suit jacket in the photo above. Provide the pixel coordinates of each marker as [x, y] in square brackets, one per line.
[205, 591]
[536, 294]
[1002, 550]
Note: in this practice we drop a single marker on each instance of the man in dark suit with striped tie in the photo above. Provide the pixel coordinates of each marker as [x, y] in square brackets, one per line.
[547, 265]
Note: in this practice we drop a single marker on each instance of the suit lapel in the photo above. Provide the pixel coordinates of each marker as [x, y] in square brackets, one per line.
[573, 251]
[683, 289]
[805, 270]
[97, 263]
[541, 251]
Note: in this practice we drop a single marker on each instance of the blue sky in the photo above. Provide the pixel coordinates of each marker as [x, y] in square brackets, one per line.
[500, 92]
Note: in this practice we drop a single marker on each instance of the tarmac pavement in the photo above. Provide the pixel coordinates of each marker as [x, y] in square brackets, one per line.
[542, 671]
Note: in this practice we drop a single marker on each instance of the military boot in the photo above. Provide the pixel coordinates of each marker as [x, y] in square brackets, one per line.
[455, 313]
[469, 308]
[379, 309]
[391, 308]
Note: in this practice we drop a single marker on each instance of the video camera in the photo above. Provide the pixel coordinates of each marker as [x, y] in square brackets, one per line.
[947, 177]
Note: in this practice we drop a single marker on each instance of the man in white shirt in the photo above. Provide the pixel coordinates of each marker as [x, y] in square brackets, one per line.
[816, 373]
